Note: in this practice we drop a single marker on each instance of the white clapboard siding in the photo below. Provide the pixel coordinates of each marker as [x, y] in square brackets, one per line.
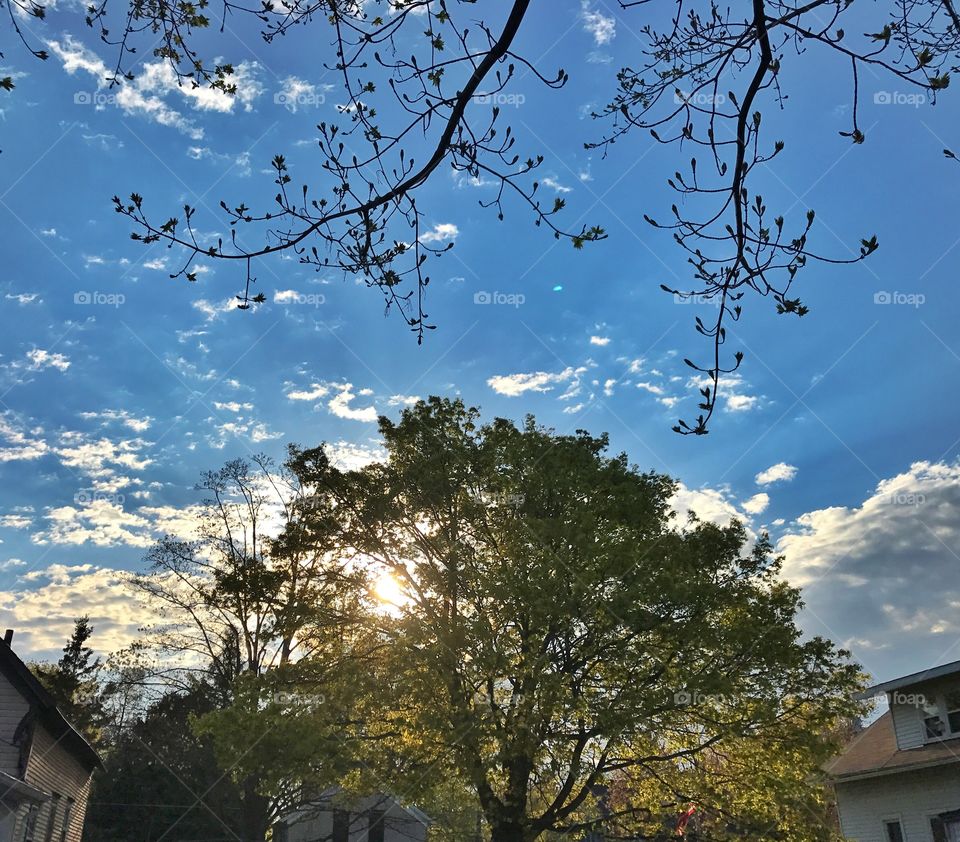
[913, 796]
[907, 725]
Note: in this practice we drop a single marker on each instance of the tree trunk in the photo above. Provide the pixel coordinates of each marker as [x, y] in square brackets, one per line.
[509, 832]
[254, 812]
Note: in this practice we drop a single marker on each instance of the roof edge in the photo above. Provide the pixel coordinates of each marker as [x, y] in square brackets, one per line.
[913, 678]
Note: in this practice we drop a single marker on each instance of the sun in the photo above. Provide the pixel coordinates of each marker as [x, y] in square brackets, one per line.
[389, 591]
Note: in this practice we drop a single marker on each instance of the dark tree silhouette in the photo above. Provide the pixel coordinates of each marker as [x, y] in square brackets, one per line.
[417, 72]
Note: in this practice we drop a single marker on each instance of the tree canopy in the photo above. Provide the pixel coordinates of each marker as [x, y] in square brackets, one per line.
[560, 644]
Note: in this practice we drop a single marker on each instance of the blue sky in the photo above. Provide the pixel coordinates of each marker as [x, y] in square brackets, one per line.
[120, 385]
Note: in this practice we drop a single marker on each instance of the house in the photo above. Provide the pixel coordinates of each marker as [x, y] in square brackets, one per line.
[899, 779]
[45, 764]
[374, 818]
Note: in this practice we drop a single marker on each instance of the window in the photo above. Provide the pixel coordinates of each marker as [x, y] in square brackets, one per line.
[341, 826]
[951, 705]
[933, 727]
[375, 826]
[67, 815]
[946, 827]
[51, 817]
[940, 713]
[30, 823]
[894, 830]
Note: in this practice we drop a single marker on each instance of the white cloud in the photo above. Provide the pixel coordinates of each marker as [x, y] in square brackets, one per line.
[340, 406]
[146, 94]
[601, 341]
[885, 570]
[43, 615]
[781, 472]
[20, 444]
[555, 185]
[233, 406]
[757, 504]
[602, 27]
[513, 385]
[732, 393]
[313, 393]
[138, 425]
[349, 457]
[708, 504]
[40, 359]
[441, 232]
[403, 400]
[286, 296]
[22, 297]
[98, 521]
[295, 94]
[213, 310]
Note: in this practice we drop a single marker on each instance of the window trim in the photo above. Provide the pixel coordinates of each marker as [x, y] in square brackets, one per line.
[938, 700]
[55, 798]
[888, 820]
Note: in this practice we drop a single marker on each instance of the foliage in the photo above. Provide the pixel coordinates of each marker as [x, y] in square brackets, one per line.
[559, 623]
[161, 780]
[74, 682]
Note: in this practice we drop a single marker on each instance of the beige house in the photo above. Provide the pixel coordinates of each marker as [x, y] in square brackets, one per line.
[899, 779]
[45, 764]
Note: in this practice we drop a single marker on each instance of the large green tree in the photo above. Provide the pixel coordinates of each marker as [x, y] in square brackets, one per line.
[563, 638]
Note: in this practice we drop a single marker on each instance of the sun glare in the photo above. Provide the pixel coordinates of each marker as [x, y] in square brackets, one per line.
[389, 591]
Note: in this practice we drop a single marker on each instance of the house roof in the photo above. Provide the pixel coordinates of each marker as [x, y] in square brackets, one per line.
[20, 676]
[913, 678]
[18, 790]
[323, 800]
[874, 752]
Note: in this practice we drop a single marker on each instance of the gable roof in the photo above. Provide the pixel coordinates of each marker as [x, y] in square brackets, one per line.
[20, 676]
[874, 752]
[323, 801]
[913, 678]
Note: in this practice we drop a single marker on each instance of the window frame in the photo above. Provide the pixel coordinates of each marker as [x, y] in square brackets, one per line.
[939, 701]
[376, 825]
[340, 825]
[885, 823]
[52, 817]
